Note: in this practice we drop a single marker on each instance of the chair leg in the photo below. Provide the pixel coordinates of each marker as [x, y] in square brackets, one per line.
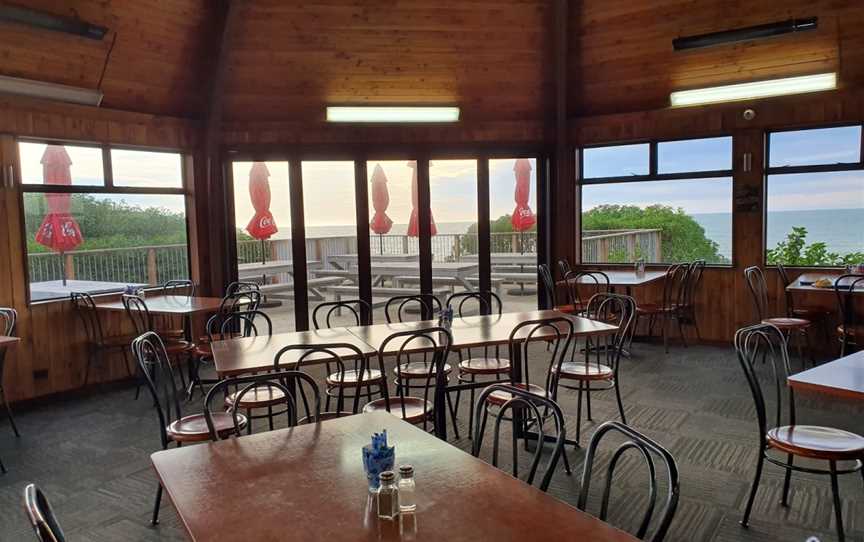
[681, 332]
[87, 367]
[838, 510]
[471, 409]
[588, 401]
[746, 519]
[579, 413]
[620, 404]
[2, 467]
[665, 325]
[784, 500]
[567, 469]
[129, 367]
[155, 520]
[452, 415]
[9, 411]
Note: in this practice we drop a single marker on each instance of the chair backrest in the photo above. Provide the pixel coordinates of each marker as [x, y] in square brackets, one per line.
[335, 357]
[396, 308]
[758, 290]
[844, 288]
[321, 315]
[85, 309]
[287, 382]
[766, 343]
[548, 284]
[564, 267]
[241, 299]
[648, 450]
[41, 515]
[237, 287]
[582, 285]
[693, 280]
[179, 287]
[434, 343]
[556, 331]
[139, 314]
[618, 310]
[149, 351]
[790, 299]
[238, 324]
[535, 408]
[8, 319]
[486, 303]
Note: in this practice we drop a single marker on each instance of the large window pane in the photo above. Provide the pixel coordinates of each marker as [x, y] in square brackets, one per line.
[99, 243]
[61, 164]
[331, 237]
[513, 227]
[660, 221]
[712, 154]
[812, 147]
[262, 213]
[146, 169]
[393, 234]
[616, 161]
[814, 219]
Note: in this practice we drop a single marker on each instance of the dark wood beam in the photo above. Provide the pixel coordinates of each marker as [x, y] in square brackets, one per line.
[564, 195]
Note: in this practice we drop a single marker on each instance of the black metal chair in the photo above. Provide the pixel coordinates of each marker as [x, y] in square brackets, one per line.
[8, 320]
[483, 361]
[535, 410]
[669, 307]
[155, 365]
[323, 312]
[818, 316]
[582, 285]
[98, 345]
[179, 287]
[647, 449]
[564, 267]
[41, 516]
[397, 307]
[549, 286]
[687, 315]
[768, 343]
[603, 370]
[434, 343]
[276, 384]
[851, 329]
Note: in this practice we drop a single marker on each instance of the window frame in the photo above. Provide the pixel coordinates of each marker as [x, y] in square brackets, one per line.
[108, 188]
[653, 175]
[791, 170]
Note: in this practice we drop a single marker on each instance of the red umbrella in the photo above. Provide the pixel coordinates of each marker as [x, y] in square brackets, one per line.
[414, 222]
[262, 225]
[380, 223]
[59, 231]
[523, 217]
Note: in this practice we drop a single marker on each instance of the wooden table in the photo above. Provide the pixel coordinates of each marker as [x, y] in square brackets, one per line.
[307, 483]
[170, 305]
[810, 278]
[843, 377]
[626, 279]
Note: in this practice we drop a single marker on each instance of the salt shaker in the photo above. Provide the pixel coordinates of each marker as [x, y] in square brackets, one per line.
[388, 496]
[407, 489]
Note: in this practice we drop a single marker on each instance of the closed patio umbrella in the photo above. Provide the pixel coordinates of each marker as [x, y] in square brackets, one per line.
[523, 217]
[262, 226]
[380, 223]
[414, 222]
[59, 231]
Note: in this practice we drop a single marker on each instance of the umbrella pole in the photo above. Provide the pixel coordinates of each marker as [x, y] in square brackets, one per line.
[380, 244]
[263, 253]
[63, 266]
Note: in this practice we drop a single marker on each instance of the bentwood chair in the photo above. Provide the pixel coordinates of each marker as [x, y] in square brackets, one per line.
[184, 288]
[564, 267]
[41, 516]
[603, 371]
[798, 327]
[779, 437]
[174, 426]
[550, 288]
[649, 451]
[535, 410]
[98, 345]
[358, 310]
[686, 314]
[8, 319]
[851, 329]
[669, 308]
[582, 285]
[479, 362]
[396, 309]
[434, 343]
[813, 314]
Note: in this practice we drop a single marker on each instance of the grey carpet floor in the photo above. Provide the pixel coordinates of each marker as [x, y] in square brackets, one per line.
[91, 456]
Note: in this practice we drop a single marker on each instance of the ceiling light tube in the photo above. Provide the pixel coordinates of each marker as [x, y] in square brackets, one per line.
[49, 91]
[392, 114]
[757, 89]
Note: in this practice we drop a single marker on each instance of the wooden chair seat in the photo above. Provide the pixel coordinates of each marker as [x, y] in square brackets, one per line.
[193, 428]
[852, 331]
[817, 442]
[418, 369]
[350, 378]
[260, 397]
[784, 324]
[577, 370]
[417, 409]
[203, 350]
[485, 366]
[175, 347]
[498, 398]
[654, 308]
[122, 341]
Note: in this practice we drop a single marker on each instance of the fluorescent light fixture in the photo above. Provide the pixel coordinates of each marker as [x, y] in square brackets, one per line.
[758, 89]
[49, 91]
[389, 114]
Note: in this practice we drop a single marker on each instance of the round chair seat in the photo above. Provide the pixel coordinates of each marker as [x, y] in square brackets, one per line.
[416, 409]
[577, 370]
[485, 366]
[193, 428]
[499, 397]
[259, 397]
[787, 323]
[817, 442]
[174, 347]
[418, 369]
[350, 378]
[852, 331]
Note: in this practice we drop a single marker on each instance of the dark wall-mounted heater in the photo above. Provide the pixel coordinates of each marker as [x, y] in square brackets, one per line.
[48, 21]
[745, 34]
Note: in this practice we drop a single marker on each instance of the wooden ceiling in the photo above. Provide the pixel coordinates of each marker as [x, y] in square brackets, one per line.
[287, 60]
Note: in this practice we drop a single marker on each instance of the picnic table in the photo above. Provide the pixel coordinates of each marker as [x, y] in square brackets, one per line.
[53, 289]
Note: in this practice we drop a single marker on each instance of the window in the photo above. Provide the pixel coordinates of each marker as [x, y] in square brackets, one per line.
[663, 202]
[98, 241]
[815, 197]
[146, 169]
